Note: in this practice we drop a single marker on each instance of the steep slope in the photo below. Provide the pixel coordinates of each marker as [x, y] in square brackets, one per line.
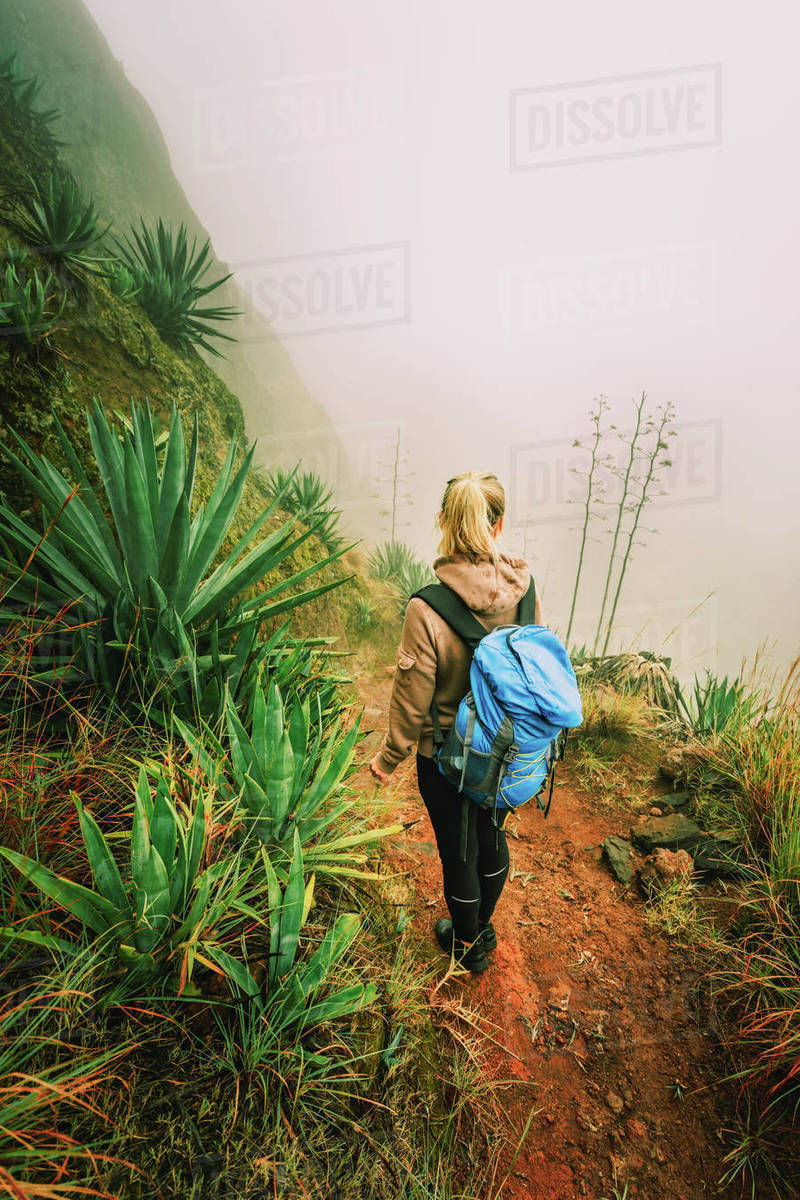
[108, 348]
[114, 147]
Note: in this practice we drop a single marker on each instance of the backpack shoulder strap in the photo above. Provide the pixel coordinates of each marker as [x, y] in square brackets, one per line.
[452, 609]
[527, 606]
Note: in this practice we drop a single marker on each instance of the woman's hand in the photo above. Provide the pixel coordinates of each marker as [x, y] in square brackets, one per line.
[376, 772]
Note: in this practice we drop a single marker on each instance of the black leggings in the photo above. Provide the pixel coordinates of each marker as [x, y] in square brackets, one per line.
[471, 888]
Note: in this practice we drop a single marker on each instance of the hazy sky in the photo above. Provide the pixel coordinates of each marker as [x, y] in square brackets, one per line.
[471, 219]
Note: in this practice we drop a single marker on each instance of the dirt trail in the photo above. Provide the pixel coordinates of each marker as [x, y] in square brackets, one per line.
[593, 1007]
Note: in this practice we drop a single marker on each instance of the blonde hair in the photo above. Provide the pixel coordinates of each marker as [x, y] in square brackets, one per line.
[472, 505]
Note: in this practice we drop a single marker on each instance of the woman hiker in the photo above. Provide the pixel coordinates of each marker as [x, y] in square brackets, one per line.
[433, 666]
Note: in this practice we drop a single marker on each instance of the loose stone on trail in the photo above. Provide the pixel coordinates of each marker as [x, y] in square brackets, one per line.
[673, 832]
[618, 853]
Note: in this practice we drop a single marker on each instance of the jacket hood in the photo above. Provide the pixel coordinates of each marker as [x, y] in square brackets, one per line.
[485, 588]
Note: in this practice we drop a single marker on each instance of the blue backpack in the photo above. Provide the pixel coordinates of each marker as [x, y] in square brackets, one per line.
[511, 727]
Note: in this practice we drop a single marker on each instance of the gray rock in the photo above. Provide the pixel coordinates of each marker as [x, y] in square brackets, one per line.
[722, 857]
[673, 832]
[674, 801]
[618, 853]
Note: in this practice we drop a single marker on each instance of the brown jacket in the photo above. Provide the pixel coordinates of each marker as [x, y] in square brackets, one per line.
[433, 662]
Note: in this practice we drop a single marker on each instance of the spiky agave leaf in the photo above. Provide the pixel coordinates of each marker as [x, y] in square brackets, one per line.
[288, 782]
[409, 579]
[140, 923]
[26, 88]
[642, 673]
[60, 224]
[155, 607]
[386, 562]
[170, 277]
[27, 296]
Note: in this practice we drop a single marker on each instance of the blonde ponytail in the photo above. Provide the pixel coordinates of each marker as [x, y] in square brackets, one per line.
[472, 505]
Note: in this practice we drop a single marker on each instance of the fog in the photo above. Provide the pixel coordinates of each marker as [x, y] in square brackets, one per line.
[467, 221]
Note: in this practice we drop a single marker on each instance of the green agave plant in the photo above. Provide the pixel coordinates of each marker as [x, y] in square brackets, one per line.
[27, 315]
[26, 88]
[301, 666]
[152, 608]
[308, 498]
[716, 703]
[388, 561]
[168, 276]
[60, 224]
[121, 281]
[299, 996]
[291, 988]
[409, 579]
[311, 495]
[642, 672]
[278, 482]
[166, 915]
[284, 776]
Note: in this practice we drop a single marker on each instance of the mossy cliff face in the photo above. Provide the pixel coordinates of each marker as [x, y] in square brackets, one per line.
[115, 149]
[107, 348]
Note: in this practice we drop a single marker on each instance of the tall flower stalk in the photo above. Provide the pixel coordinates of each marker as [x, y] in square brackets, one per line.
[626, 477]
[593, 486]
[655, 460]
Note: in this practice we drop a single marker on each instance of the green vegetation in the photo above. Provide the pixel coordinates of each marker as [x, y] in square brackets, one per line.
[150, 608]
[640, 674]
[168, 276]
[165, 914]
[740, 741]
[121, 281]
[25, 89]
[66, 1075]
[715, 704]
[396, 565]
[308, 498]
[57, 222]
[29, 311]
[387, 561]
[282, 773]
[410, 579]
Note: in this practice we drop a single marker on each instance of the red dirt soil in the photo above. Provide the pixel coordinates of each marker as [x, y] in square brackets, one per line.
[589, 1003]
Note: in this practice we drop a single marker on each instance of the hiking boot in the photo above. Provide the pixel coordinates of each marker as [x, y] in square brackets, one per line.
[488, 935]
[485, 930]
[470, 955]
